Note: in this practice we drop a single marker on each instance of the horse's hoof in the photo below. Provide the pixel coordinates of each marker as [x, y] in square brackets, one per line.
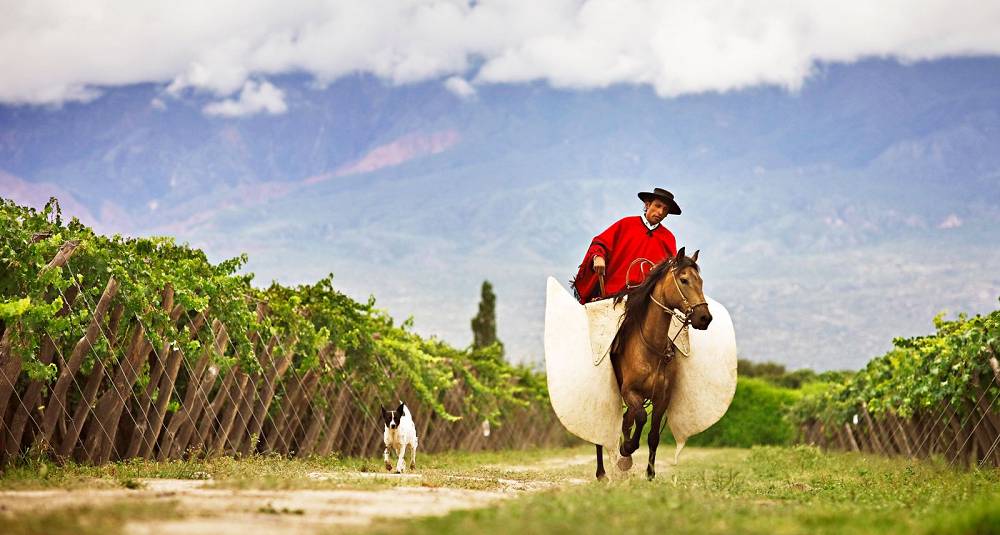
[650, 473]
[388, 466]
[625, 463]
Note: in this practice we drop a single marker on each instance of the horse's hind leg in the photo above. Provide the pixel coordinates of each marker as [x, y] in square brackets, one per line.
[654, 437]
[600, 463]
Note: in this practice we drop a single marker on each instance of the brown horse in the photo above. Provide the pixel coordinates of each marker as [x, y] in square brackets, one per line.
[643, 355]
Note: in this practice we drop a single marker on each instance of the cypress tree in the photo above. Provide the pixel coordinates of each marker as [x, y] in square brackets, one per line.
[484, 324]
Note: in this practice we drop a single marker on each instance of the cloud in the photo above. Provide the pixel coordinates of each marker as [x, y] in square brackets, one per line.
[254, 98]
[53, 51]
[460, 87]
[952, 221]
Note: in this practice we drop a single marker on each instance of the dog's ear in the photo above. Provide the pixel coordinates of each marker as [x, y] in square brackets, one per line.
[400, 409]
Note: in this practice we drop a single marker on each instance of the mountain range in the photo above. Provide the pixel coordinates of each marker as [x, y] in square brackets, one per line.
[830, 219]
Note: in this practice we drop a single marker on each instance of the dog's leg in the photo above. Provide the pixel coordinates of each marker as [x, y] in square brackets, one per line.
[401, 462]
[413, 456]
[385, 456]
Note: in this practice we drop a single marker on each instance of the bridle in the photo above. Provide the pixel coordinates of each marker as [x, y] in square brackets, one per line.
[684, 317]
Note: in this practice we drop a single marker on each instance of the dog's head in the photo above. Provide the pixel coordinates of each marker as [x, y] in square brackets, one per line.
[392, 418]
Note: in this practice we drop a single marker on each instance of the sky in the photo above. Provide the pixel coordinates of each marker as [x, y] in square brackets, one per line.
[57, 51]
[251, 68]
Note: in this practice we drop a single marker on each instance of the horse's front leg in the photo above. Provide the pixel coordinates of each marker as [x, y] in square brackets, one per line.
[600, 462]
[659, 407]
[635, 417]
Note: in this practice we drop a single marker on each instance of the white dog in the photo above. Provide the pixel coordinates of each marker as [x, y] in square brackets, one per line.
[399, 433]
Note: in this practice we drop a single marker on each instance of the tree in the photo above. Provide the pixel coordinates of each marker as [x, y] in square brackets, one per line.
[484, 324]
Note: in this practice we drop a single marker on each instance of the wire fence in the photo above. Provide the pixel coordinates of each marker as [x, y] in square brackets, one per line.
[963, 434]
[138, 400]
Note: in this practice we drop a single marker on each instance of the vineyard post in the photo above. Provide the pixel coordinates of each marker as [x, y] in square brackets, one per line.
[85, 407]
[113, 403]
[144, 405]
[244, 412]
[888, 435]
[238, 434]
[902, 433]
[338, 410]
[873, 431]
[231, 404]
[319, 419]
[273, 375]
[182, 423]
[166, 389]
[202, 439]
[56, 408]
[32, 395]
[10, 364]
[304, 404]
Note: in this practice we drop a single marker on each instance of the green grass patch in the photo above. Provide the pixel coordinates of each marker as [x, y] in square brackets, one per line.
[763, 490]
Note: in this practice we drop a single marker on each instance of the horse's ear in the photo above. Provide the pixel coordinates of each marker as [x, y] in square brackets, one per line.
[680, 253]
[694, 257]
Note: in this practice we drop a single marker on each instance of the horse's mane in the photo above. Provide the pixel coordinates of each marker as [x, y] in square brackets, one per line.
[636, 304]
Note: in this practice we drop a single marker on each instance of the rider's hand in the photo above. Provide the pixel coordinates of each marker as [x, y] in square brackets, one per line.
[599, 265]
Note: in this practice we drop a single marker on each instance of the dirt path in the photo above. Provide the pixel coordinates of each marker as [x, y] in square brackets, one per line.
[343, 498]
[219, 511]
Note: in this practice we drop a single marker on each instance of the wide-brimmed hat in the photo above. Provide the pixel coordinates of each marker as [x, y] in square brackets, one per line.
[663, 195]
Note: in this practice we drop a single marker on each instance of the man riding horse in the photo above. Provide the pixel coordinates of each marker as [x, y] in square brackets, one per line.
[622, 256]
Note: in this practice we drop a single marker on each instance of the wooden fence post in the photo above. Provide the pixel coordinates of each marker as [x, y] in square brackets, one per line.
[85, 406]
[144, 405]
[14, 434]
[274, 372]
[10, 364]
[56, 409]
[199, 383]
[166, 389]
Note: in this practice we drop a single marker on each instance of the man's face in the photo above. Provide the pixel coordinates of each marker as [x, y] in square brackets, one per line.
[656, 210]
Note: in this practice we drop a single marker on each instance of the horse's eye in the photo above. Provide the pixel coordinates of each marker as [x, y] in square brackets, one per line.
[684, 281]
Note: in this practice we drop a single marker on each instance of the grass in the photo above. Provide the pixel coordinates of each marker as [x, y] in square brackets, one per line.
[759, 490]
[763, 490]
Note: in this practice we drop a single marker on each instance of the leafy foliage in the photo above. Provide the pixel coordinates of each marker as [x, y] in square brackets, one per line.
[778, 375]
[322, 329]
[918, 374]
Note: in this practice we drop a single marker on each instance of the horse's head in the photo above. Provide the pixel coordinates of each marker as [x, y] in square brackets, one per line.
[682, 289]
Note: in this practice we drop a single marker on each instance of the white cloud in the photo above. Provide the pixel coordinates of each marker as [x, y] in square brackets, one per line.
[254, 98]
[158, 104]
[952, 221]
[460, 87]
[57, 50]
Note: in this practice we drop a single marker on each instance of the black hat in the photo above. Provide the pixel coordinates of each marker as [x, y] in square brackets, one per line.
[663, 195]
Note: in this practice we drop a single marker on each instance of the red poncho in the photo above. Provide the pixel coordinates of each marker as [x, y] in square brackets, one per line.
[620, 244]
